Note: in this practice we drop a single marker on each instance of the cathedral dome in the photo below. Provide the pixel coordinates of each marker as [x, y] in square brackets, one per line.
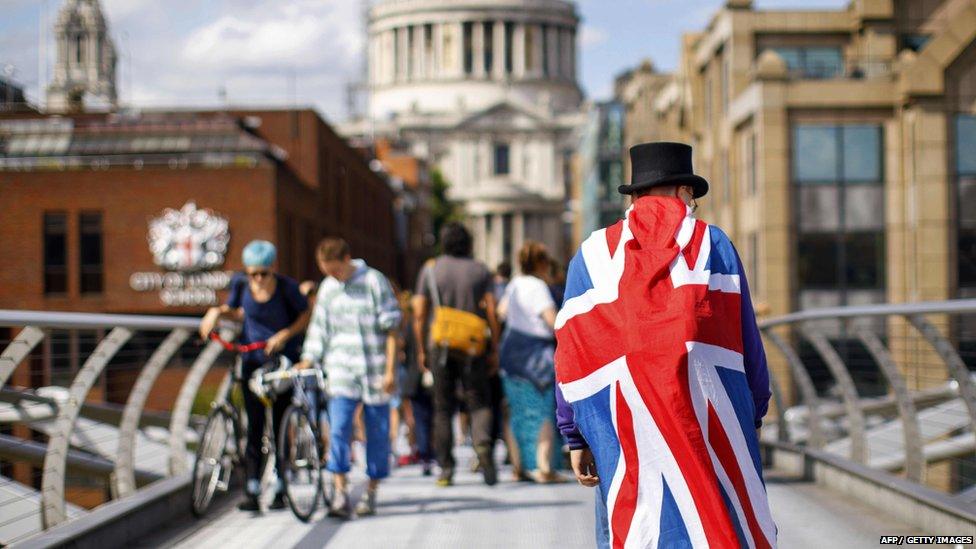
[440, 56]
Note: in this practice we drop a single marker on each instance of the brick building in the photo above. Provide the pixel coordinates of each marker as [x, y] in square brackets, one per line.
[86, 188]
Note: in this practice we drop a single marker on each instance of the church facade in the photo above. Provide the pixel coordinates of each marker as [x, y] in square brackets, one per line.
[84, 75]
[486, 90]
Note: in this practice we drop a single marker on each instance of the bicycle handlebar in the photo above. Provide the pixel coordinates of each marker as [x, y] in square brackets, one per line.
[214, 336]
[290, 373]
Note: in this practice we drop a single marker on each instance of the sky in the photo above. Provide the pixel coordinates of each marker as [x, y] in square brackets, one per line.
[185, 53]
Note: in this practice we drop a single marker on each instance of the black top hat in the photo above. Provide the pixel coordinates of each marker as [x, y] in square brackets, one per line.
[662, 164]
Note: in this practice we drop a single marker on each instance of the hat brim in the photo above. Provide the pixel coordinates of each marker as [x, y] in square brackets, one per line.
[698, 184]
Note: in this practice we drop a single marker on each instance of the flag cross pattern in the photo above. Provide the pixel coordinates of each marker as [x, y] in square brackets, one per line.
[650, 357]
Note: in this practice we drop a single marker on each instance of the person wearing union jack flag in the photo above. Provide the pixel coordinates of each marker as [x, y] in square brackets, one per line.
[661, 375]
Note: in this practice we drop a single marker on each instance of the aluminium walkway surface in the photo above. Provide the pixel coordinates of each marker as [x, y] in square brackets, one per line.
[415, 513]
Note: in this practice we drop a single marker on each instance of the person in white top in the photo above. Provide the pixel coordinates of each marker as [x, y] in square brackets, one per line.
[526, 360]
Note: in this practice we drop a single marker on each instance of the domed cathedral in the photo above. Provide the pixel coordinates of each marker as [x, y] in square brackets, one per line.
[84, 74]
[486, 90]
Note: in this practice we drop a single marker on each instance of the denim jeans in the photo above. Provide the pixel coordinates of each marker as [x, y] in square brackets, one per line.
[377, 419]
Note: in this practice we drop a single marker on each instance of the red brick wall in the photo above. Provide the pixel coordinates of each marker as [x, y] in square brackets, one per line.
[127, 198]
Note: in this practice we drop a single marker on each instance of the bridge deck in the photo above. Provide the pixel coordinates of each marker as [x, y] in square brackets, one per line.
[415, 513]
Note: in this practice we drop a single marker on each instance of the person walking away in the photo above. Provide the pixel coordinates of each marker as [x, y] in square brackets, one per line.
[353, 335]
[271, 308]
[416, 389]
[661, 372]
[526, 359]
[457, 338]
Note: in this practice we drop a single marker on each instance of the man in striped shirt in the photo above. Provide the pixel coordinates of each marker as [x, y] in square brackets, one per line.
[352, 334]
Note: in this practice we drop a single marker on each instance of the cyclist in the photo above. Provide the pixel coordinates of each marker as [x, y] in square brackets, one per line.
[271, 308]
[353, 334]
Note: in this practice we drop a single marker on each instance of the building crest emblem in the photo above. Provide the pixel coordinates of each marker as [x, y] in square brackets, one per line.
[189, 239]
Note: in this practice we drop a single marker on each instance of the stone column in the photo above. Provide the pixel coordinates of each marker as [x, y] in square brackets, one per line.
[498, 35]
[437, 63]
[537, 49]
[572, 55]
[458, 49]
[403, 51]
[565, 54]
[518, 236]
[478, 49]
[518, 51]
[388, 47]
[419, 66]
[552, 40]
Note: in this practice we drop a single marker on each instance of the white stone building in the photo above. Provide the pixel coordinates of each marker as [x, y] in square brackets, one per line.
[84, 75]
[487, 91]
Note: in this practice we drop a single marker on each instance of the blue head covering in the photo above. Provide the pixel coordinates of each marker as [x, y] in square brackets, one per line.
[259, 253]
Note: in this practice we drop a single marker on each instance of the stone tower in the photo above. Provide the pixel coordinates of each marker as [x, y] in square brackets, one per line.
[84, 75]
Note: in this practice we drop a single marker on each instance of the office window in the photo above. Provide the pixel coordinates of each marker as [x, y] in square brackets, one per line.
[501, 164]
[91, 268]
[55, 253]
[965, 197]
[813, 61]
[837, 170]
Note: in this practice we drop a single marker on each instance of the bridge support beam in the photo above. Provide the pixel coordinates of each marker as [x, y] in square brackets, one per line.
[914, 453]
[848, 391]
[17, 350]
[807, 390]
[56, 459]
[124, 477]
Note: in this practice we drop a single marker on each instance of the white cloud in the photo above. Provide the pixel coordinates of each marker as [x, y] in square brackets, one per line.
[592, 36]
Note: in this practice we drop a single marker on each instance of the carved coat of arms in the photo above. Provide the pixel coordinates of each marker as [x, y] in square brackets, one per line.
[188, 239]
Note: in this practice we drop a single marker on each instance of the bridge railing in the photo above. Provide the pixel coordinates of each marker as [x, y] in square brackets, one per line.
[887, 386]
[83, 429]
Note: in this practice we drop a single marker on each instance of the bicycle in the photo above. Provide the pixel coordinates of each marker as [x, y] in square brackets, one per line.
[300, 446]
[221, 447]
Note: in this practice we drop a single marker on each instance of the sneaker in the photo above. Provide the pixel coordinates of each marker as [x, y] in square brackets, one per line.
[340, 505]
[279, 502]
[446, 478]
[487, 466]
[428, 469]
[367, 505]
[249, 503]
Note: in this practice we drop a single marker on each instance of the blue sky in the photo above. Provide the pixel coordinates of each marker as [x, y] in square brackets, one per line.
[180, 52]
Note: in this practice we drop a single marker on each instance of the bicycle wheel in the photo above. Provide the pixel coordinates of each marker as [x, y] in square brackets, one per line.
[298, 444]
[214, 460]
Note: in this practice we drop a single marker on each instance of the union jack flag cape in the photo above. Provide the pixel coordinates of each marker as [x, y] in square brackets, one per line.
[660, 368]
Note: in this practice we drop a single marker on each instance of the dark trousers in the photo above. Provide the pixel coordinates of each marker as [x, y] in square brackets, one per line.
[423, 424]
[451, 370]
[256, 418]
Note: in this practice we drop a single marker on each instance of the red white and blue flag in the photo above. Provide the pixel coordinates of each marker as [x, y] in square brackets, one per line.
[650, 358]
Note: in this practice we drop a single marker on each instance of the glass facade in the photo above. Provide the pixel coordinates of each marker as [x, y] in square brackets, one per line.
[965, 154]
[838, 175]
[813, 61]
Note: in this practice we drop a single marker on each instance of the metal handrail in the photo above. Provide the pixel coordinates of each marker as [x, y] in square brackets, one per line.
[954, 306]
[58, 319]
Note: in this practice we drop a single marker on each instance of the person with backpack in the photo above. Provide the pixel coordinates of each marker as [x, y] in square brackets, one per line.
[353, 335]
[457, 340]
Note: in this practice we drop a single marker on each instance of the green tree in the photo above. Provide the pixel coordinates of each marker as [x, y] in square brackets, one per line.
[442, 210]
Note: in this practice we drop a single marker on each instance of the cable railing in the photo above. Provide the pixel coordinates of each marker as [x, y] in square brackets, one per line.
[93, 407]
[885, 386]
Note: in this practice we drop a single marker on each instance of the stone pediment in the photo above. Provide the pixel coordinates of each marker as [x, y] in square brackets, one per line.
[505, 117]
